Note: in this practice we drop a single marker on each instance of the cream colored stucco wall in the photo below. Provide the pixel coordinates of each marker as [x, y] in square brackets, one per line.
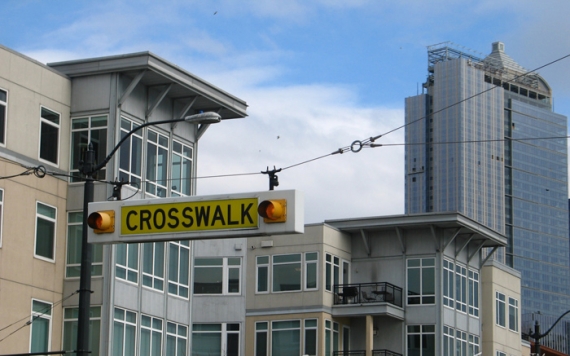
[24, 277]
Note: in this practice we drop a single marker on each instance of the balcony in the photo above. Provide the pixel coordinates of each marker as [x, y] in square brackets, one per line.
[366, 293]
[363, 353]
[357, 300]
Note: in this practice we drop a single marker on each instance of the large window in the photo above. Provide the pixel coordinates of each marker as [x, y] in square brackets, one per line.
[124, 332]
[211, 339]
[153, 265]
[70, 316]
[421, 340]
[49, 136]
[86, 130]
[332, 271]
[500, 309]
[421, 281]
[459, 343]
[127, 262]
[286, 338]
[176, 339]
[181, 169]
[130, 154]
[45, 231]
[262, 274]
[311, 332]
[41, 326]
[220, 275]
[448, 282]
[461, 288]
[513, 314]
[178, 268]
[286, 273]
[74, 238]
[156, 163]
[151, 336]
[3, 114]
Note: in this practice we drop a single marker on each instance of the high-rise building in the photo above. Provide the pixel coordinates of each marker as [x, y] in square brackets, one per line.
[482, 139]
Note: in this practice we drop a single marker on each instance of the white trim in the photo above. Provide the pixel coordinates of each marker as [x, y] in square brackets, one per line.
[40, 316]
[2, 211]
[3, 144]
[42, 120]
[54, 220]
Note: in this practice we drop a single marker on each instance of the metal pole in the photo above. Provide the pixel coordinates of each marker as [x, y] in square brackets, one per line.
[85, 276]
[537, 337]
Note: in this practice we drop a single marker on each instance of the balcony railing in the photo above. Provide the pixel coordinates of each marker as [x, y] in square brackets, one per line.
[363, 353]
[363, 293]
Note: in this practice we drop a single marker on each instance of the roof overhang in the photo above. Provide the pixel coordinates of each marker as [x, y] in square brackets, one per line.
[479, 232]
[157, 72]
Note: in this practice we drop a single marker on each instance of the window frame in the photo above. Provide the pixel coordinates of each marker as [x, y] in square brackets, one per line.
[306, 337]
[226, 268]
[72, 322]
[102, 173]
[267, 267]
[513, 311]
[152, 329]
[273, 264]
[181, 247]
[2, 195]
[128, 174]
[54, 228]
[158, 184]
[156, 268]
[41, 133]
[224, 333]
[315, 264]
[128, 247]
[473, 292]
[126, 323]
[422, 332]
[176, 337]
[183, 178]
[46, 315]
[500, 309]
[277, 330]
[260, 330]
[422, 295]
[4, 120]
[97, 250]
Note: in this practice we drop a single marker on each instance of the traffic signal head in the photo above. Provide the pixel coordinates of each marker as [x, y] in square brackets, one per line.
[102, 222]
[273, 211]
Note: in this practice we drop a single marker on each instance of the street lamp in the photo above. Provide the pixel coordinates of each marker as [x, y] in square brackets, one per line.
[537, 335]
[88, 170]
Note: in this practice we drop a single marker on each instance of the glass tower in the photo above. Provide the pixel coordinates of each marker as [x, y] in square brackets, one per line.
[482, 140]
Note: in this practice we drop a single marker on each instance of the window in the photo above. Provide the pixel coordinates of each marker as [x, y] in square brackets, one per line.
[153, 265]
[421, 340]
[448, 341]
[45, 231]
[513, 314]
[262, 276]
[49, 136]
[332, 273]
[85, 130]
[70, 316]
[217, 275]
[74, 238]
[311, 337]
[473, 293]
[156, 163]
[501, 353]
[311, 268]
[286, 273]
[181, 169]
[421, 281]
[151, 336]
[124, 332]
[448, 280]
[473, 345]
[178, 268]
[460, 343]
[41, 326]
[285, 338]
[130, 154]
[176, 339]
[500, 309]
[211, 339]
[461, 288]
[127, 262]
[3, 114]
[1, 213]
[331, 337]
[261, 338]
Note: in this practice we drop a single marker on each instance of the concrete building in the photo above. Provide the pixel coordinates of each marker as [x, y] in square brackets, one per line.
[481, 140]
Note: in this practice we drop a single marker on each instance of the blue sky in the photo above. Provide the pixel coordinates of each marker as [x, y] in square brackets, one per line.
[316, 75]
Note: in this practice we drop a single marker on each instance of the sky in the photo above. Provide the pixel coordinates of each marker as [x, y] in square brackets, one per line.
[317, 75]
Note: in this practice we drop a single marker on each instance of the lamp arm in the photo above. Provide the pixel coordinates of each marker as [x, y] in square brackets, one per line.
[553, 325]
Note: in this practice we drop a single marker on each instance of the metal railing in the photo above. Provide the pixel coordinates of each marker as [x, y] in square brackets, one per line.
[364, 293]
[363, 353]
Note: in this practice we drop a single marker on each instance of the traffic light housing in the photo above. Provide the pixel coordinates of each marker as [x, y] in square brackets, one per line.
[102, 222]
[273, 211]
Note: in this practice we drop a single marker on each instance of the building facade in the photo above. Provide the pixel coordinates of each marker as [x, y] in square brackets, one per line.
[482, 140]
